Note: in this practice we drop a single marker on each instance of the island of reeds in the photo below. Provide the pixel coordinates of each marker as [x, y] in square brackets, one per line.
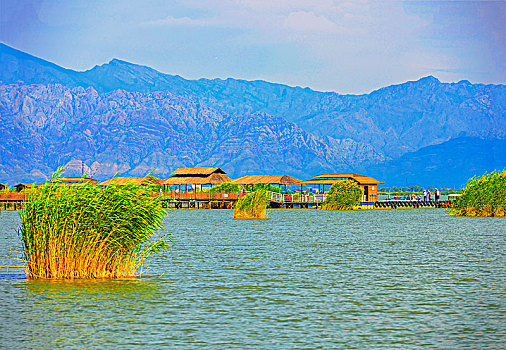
[483, 196]
[252, 206]
[90, 232]
[343, 195]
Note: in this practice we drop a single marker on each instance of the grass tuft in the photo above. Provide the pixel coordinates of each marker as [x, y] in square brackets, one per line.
[252, 206]
[484, 196]
[90, 232]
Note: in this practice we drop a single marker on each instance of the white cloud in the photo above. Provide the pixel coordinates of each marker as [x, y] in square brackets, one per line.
[181, 21]
[308, 21]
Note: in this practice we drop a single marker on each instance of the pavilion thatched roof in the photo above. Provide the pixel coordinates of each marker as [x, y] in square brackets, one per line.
[212, 179]
[139, 181]
[267, 179]
[197, 171]
[329, 179]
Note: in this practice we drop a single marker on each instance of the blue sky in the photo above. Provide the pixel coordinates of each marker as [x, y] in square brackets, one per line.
[344, 46]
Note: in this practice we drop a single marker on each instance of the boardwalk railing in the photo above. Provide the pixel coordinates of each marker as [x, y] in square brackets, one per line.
[198, 196]
[13, 196]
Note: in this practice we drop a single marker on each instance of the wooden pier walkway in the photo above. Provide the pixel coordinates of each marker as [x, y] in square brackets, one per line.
[222, 200]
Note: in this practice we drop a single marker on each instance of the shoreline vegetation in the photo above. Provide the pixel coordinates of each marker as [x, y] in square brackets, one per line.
[343, 195]
[483, 196]
[90, 232]
[252, 206]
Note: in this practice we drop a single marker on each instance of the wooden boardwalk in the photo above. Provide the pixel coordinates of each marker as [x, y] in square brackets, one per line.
[222, 200]
[410, 204]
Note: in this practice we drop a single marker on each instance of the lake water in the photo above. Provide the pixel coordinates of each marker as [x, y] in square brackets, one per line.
[302, 279]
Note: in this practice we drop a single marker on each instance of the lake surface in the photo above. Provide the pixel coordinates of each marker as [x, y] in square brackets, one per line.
[302, 279]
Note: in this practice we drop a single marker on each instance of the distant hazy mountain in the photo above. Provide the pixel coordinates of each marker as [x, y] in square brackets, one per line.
[448, 164]
[306, 131]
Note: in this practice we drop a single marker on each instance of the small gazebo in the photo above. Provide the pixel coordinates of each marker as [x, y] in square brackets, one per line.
[196, 177]
[267, 180]
[368, 184]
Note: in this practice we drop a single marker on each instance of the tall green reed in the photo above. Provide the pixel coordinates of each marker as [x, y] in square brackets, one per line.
[482, 196]
[252, 206]
[90, 232]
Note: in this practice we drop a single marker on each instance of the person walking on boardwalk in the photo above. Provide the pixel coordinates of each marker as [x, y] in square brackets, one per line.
[424, 195]
[428, 195]
[436, 195]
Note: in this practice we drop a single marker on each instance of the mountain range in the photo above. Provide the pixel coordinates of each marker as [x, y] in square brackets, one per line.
[127, 118]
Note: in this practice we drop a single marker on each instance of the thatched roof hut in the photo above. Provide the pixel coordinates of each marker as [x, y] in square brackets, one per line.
[267, 180]
[197, 176]
[196, 171]
[139, 181]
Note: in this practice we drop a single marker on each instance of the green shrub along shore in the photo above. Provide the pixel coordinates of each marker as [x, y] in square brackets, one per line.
[343, 195]
[252, 206]
[90, 232]
[483, 196]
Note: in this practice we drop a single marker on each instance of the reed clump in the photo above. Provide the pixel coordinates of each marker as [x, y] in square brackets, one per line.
[343, 195]
[483, 196]
[90, 232]
[252, 206]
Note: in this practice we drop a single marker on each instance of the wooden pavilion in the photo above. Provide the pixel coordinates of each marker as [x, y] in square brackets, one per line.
[2, 187]
[196, 176]
[267, 180]
[367, 183]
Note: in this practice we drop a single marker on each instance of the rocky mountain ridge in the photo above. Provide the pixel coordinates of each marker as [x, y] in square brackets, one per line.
[335, 132]
[134, 133]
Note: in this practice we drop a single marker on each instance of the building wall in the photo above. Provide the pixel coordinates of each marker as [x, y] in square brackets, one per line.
[372, 191]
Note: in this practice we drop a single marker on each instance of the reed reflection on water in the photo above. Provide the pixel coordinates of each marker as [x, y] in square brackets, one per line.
[303, 278]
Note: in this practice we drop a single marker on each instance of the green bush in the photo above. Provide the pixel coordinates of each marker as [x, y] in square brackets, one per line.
[483, 196]
[343, 195]
[227, 187]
